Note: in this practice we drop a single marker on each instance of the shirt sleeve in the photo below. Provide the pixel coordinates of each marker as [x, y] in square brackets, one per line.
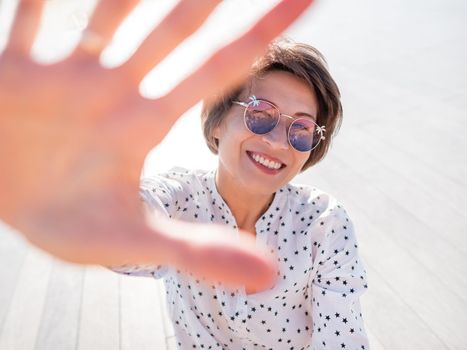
[158, 194]
[339, 281]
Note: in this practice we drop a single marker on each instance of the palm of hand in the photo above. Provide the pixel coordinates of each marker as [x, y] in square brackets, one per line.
[74, 135]
[71, 157]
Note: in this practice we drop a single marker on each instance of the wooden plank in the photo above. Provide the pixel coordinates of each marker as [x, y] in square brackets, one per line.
[391, 321]
[426, 244]
[413, 174]
[12, 255]
[440, 155]
[437, 235]
[60, 318]
[24, 315]
[432, 300]
[375, 344]
[408, 193]
[99, 326]
[171, 343]
[141, 314]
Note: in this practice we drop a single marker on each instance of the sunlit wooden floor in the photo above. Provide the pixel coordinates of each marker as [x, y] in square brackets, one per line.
[46, 304]
[399, 165]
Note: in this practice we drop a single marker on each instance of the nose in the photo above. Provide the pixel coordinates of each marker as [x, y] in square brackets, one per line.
[277, 138]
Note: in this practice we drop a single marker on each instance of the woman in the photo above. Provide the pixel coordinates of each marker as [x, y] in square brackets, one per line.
[73, 138]
[279, 122]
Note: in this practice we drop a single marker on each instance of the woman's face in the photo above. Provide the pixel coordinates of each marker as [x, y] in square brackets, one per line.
[239, 147]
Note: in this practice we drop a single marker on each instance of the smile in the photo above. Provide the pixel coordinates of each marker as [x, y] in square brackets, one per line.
[266, 162]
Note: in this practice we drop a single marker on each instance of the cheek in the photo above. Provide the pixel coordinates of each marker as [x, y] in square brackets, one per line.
[301, 160]
[229, 144]
[233, 136]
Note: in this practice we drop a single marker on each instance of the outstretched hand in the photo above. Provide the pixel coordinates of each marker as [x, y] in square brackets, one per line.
[74, 135]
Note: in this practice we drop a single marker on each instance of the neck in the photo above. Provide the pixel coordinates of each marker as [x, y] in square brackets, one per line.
[246, 207]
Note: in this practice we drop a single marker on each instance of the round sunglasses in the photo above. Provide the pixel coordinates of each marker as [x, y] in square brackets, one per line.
[261, 117]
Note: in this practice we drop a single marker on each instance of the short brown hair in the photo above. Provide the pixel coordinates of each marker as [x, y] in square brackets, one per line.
[304, 62]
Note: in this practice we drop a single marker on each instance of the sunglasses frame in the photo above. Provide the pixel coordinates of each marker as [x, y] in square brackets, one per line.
[253, 101]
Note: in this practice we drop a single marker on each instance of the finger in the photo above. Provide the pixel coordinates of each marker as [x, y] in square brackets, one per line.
[180, 23]
[226, 68]
[210, 252]
[230, 65]
[236, 263]
[214, 253]
[104, 22]
[24, 27]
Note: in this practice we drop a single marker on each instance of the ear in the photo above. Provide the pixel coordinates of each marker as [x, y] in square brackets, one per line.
[216, 132]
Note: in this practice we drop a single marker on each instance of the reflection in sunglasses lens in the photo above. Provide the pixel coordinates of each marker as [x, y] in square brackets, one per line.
[301, 135]
[261, 119]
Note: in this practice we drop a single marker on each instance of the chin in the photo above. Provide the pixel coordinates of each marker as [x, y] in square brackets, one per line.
[259, 186]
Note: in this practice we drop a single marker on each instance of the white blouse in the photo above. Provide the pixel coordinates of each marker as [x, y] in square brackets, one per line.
[315, 302]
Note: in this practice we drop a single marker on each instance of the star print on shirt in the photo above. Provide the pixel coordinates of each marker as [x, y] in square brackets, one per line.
[315, 302]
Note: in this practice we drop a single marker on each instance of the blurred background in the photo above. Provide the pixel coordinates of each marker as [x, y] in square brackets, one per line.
[399, 165]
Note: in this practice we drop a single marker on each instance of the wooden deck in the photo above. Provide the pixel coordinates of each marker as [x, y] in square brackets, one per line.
[399, 165]
[46, 304]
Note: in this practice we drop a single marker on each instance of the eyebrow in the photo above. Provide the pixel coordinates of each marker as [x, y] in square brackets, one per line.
[298, 114]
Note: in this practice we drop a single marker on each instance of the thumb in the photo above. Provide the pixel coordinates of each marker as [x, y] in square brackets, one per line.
[215, 253]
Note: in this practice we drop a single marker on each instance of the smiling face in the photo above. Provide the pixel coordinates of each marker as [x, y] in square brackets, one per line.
[261, 164]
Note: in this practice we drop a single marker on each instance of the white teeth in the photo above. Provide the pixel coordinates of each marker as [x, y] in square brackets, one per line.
[266, 162]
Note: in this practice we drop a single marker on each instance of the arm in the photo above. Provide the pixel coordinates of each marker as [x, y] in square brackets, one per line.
[152, 206]
[336, 287]
[74, 135]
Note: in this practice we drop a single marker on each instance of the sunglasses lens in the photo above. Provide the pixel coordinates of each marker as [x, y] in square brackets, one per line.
[261, 117]
[303, 135]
